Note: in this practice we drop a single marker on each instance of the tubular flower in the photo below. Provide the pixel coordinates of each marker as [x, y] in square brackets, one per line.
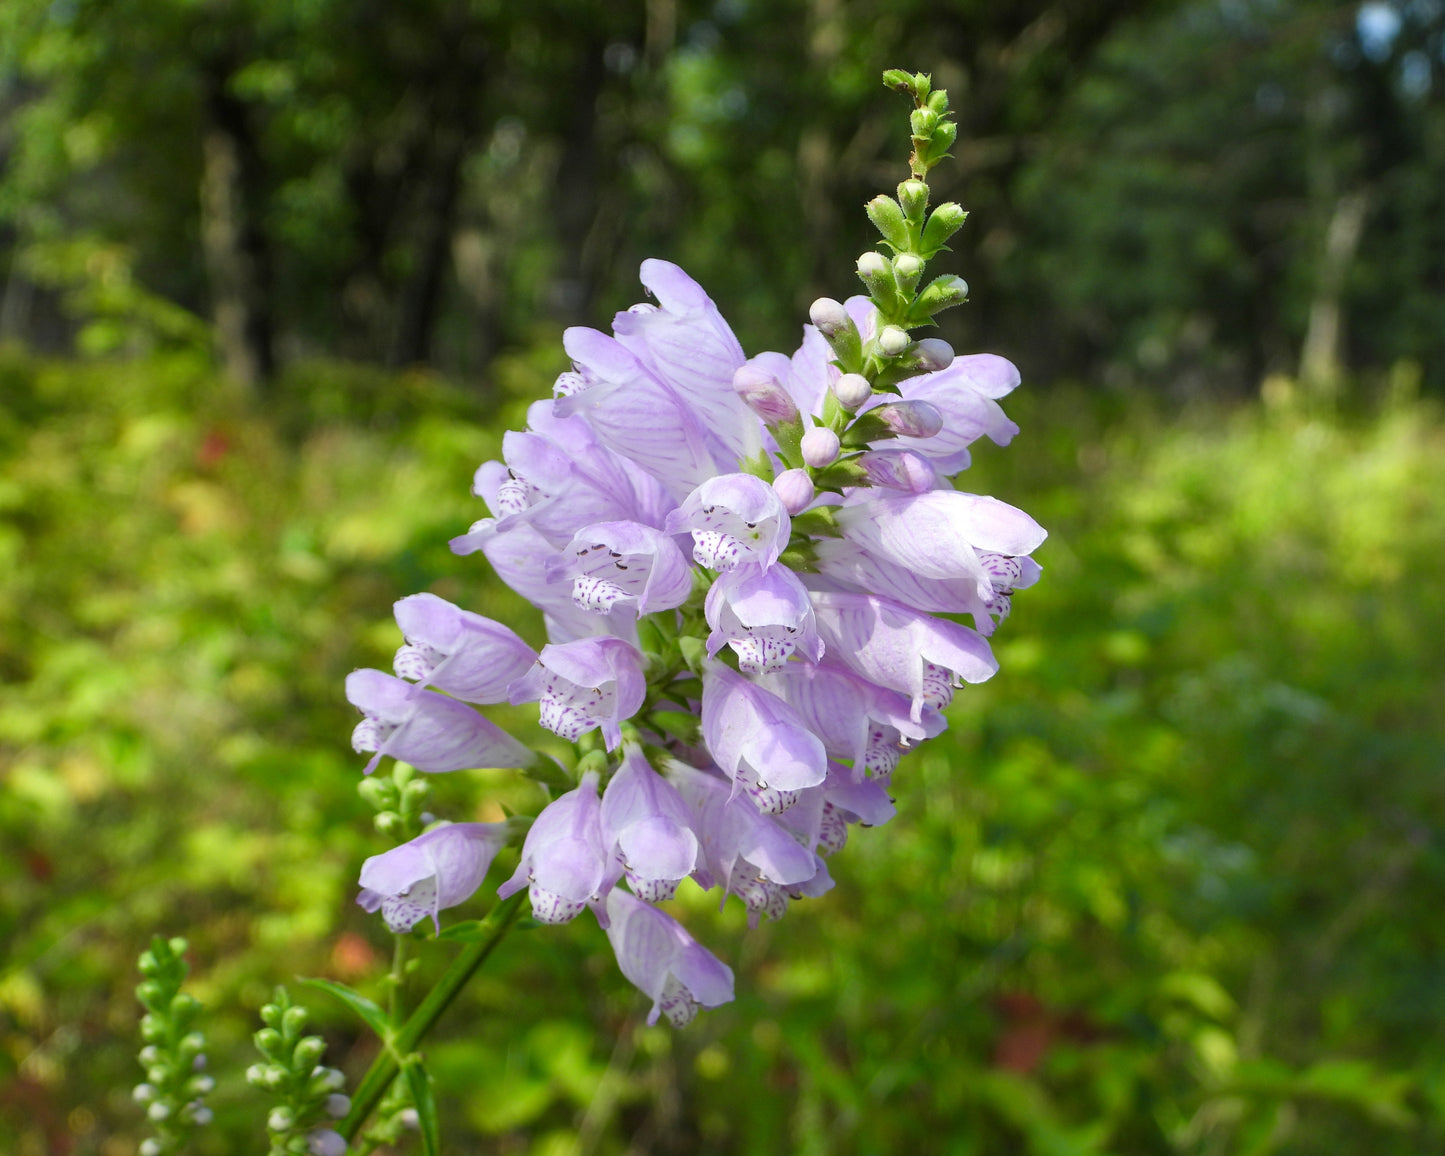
[440, 868]
[741, 565]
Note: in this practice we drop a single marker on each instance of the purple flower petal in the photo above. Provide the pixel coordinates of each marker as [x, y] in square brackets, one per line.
[764, 615]
[661, 959]
[428, 730]
[733, 518]
[645, 818]
[743, 724]
[564, 862]
[464, 654]
[918, 656]
[625, 564]
[440, 868]
[589, 683]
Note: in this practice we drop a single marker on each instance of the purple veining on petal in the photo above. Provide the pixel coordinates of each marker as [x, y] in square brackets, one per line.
[733, 518]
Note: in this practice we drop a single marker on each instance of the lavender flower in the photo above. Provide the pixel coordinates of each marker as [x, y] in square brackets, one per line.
[428, 730]
[657, 955]
[582, 685]
[440, 868]
[645, 819]
[763, 615]
[564, 860]
[814, 494]
[470, 657]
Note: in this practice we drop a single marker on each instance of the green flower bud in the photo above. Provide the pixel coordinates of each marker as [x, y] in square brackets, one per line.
[380, 794]
[152, 1030]
[178, 946]
[281, 1120]
[292, 1022]
[924, 122]
[307, 1052]
[943, 223]
[256, 1075]
[151, 992]
[913, 197]
[898, 80]
[887, 215]
[388, 823]
[939, 294]
[908, 269]
[185, 1007]
[149, 1054]
[269, 1043]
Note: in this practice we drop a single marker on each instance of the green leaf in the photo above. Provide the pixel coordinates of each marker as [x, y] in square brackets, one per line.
[419, 1084]
[375, 1018]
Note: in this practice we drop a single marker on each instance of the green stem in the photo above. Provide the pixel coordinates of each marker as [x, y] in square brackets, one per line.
[385, 1067]
[395, 1007]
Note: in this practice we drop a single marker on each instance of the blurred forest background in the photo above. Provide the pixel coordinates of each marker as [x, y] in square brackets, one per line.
[274, 278]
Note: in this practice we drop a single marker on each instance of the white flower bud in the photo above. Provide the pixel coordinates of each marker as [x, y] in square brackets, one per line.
[872, 265]
[892, 341]
[820, 447]
[829, 316]
[794, 489]
[149, 1054]
[159, 1110]
[337, 1105]
[907, 267]
[852, 390]
[281, 1120]
[200, 1115]
[143, 1093]
[150, 1147]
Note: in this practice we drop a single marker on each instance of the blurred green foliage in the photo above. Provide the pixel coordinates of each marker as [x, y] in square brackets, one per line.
[1169, 885]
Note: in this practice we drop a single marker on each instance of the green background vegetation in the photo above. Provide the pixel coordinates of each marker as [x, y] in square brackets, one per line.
[1171, 884]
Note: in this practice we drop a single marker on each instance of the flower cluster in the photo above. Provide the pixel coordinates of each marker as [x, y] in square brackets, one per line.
[753, 573]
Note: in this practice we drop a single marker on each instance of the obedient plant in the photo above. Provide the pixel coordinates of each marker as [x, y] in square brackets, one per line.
[753, 574]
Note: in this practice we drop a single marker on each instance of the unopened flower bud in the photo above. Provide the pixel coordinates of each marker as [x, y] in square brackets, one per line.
[149, 1054]
[308, 1051]
[764, 395]
[940, 293]
[820, 447]
[908, 268]
[872, 265]
[337, 1105]
[794, 489]
[281, 1120]
[200, 1115]
[886, 214]
[152, 1030]
[933, 354]
[145, 1093]
[331, 1078]
[159, 1110]
[943, 223]
[200, 1085]
[293, 1021]
[892, 341]
[900, 470]
[268, 1042]
[911, 419]
[852, 390]
[829, 316]
[150, 1147]
[913, 196]
[256, 1075]
[326, 1142]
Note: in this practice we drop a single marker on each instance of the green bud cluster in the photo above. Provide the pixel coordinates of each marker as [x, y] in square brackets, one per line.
[912, 235]
[173, 1054]
[307, 1095]
[399, 802]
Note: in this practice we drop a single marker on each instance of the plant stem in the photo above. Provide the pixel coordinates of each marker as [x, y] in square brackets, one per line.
[396, 1009]
[385, 1067]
